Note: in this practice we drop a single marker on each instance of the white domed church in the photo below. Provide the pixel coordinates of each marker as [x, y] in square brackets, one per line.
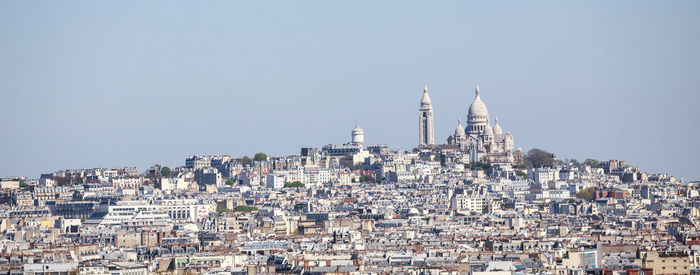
[480, 139]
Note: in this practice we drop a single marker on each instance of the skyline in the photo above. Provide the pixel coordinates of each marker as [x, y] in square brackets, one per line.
[155, 89]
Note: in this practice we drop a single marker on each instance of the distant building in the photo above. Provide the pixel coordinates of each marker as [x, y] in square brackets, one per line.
[208, 176]
[275, 181]
[426, 137]
[467, 203]
[197, 162]
[482, 140]
[341, 150]
[358, 136]
[543, 175]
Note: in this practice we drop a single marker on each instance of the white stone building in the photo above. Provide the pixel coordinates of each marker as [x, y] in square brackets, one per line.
[480, 138]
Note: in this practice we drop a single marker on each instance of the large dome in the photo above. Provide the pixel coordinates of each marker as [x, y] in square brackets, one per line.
[478, 108]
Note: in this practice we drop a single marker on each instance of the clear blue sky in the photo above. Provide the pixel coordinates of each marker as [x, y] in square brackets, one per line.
[132, 83]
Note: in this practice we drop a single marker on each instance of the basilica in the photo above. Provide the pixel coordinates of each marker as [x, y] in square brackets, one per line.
[479, 139]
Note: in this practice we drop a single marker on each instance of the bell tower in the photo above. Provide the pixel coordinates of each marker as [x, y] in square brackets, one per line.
[425, 120]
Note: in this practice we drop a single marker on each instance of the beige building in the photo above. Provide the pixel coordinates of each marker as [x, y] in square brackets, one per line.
[665, 263]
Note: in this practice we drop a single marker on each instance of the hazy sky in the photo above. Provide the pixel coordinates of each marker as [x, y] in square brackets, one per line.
[132, 83]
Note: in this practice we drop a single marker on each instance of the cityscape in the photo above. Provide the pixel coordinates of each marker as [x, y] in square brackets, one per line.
[474, 204]
[495, 138]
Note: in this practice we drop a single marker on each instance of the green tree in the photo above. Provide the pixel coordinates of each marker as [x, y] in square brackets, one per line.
[22, 184]
[363, 178]
[521, 173]
[260, 157]
[586, 194]
[230, 182]
[294, 184]
[245, 160]
[539, 158]
[244, 208]
[165, 172]
[481, 165]
[591, 162]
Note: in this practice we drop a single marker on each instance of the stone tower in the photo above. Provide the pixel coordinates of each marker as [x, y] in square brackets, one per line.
[425, 121]
[358, 135]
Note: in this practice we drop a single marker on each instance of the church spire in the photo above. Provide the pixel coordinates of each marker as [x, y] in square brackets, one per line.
[425, 120]
[477, 91]
[425, 100]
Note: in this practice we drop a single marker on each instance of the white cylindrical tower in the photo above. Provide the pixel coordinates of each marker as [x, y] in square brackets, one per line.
[358, 135]
[426, 136]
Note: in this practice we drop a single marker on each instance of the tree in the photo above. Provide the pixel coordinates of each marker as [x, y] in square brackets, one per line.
[165, 172]
[260, 157]
[230, 182]
[539, 158]
[246, 161]
[481, 165]
[591, 162]
[294, 184]
[586, 193]
[22, 184]
[244, 208]
[363, 178]
[521, 173]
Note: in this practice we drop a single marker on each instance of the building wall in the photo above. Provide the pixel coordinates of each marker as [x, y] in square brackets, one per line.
[666, 265]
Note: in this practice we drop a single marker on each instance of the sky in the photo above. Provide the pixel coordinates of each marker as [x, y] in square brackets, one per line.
[87, 84]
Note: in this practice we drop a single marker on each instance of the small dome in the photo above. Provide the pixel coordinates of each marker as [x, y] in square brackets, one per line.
[357, 129]
[488, 131]
[459, 132]
[478, 108]
[425, 100]
[497, 128]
